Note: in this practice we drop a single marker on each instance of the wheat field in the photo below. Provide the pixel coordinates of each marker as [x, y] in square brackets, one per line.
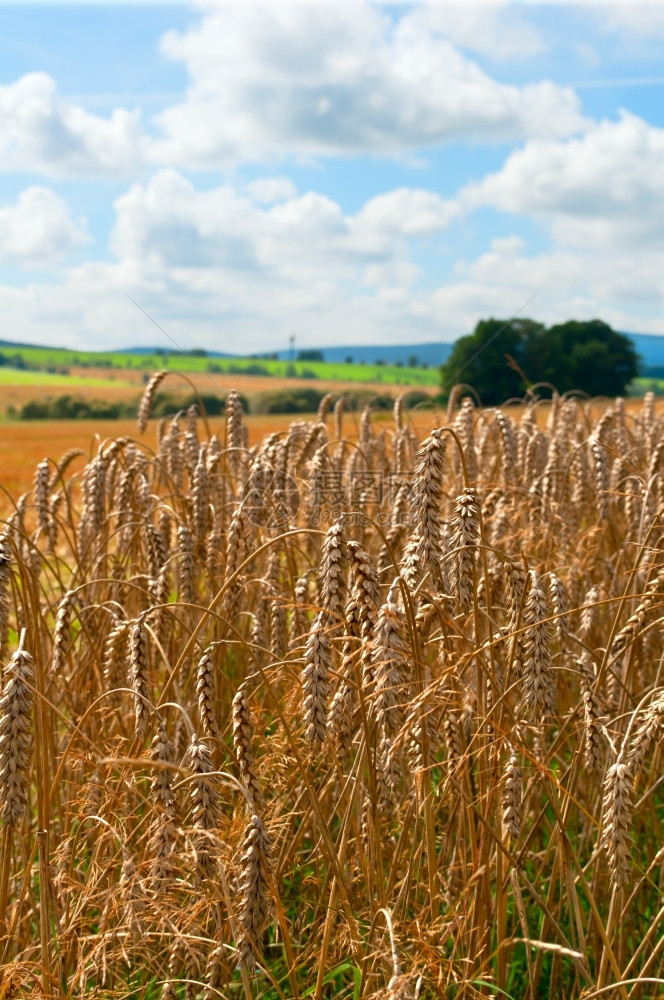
[337, 715]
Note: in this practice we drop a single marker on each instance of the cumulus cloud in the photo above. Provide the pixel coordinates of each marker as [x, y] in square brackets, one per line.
[497, 29]
[408, 211]
[642, 20]
[267, 190]
[602, 280]
[290, 79]
[243, 264]
[295, 79]
[624, 289]
[603, 189]
[38, 229]
[381, 303]
[227, 269]
[224, 262]
[168, 220]
[39, 132]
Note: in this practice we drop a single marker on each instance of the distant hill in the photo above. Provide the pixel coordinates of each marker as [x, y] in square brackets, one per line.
[649, 346]
[430, 354]
[170, 350]
[18, 345]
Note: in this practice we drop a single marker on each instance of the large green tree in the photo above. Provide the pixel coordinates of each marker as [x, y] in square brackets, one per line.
[590, 356]
[501, 358]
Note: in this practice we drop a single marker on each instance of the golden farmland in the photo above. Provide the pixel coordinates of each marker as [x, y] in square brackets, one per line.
[336, 706]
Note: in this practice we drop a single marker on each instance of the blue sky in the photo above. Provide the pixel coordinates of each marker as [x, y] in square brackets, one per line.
[346, 172]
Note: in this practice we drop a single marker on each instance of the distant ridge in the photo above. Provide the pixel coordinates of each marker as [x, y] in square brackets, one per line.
[172, 351]
[430, 354]
[17, 343]
[650, 347]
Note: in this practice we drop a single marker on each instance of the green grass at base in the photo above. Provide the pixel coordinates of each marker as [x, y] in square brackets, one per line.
[45, 357]
[640, 386]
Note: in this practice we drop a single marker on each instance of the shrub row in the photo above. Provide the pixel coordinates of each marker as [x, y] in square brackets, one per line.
[72, 408]
[305, 400]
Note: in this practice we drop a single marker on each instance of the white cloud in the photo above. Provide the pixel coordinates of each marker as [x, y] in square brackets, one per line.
[40, 132]
[508, 246]
[644, 20]
[170, 222]
[408, 211]
[222, 268]
[37, 229]
[243, 264]
[497, 29]
[380, 303]
[624, 289]
[603, 189]
[222, 262]
[267, 190]
[291, 79]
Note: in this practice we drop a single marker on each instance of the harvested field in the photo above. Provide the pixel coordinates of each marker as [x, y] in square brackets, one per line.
[336, 707]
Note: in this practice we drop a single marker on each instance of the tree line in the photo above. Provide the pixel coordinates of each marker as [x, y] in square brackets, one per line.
[504, 358]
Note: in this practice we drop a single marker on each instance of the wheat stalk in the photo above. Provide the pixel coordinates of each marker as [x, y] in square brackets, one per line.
[255, 907]
[316, 679]
[427, 493]
[16, 736]
[139, 670]
[148, 399]
[242, 736]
